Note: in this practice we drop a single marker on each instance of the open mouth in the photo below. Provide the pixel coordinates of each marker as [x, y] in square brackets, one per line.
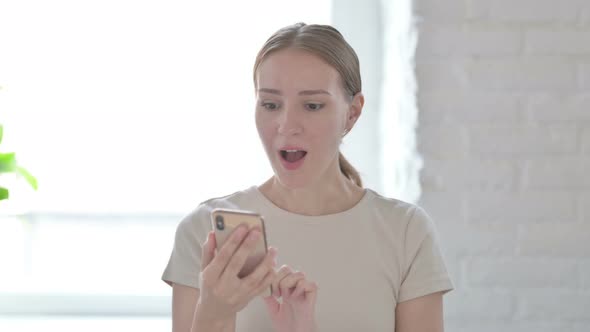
[293, 156]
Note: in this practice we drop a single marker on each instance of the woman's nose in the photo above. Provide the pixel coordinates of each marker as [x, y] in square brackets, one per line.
[290, 122]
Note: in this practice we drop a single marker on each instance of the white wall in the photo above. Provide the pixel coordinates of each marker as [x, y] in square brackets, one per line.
[504, 114]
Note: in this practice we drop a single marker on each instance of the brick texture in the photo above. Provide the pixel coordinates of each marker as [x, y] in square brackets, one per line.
[504, 132]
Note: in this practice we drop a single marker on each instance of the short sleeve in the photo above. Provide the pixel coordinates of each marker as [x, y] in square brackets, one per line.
[424, 270]
[184, 264]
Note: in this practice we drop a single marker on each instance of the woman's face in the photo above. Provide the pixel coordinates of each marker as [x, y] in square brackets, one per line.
[301, 115]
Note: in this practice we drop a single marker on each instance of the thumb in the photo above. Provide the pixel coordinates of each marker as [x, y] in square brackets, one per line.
[208, 250]
[272, 305]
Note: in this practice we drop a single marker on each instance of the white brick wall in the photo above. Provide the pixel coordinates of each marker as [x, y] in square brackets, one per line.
[472, 107]
[521, 273]
[572, 108]
[562, 173]
[585, 276]
[482, 306]
[453, 39]
[491, 240]
[517, 74]
[526, 11]
[521, 208]
[439, 141]
[504, 130]
[521, 141]
[483, 175]
[557, 41]
[584, 74]
[517, 326]
[564, 240]
[540, 304]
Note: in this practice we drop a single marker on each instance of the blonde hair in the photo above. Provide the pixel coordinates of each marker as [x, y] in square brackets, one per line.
[327, 43]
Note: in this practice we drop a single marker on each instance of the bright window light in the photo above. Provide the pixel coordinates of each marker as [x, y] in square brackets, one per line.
[129, 113]
[135, 106]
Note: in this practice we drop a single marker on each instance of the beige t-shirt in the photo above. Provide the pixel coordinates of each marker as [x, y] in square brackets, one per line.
[365, 260]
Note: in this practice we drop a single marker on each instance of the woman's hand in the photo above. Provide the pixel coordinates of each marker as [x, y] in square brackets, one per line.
[296, 313]
[222, 293]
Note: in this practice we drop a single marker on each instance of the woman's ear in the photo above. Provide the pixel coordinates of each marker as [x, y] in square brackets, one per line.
[355, 110]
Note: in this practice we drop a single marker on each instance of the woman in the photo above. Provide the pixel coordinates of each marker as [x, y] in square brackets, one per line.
[351, 260]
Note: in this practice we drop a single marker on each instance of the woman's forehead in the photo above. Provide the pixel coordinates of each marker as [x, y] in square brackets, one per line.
[296, 69]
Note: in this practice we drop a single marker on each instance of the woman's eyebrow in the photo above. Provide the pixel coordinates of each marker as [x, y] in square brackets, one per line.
[313, 92]
[301, 93]
[273, 91]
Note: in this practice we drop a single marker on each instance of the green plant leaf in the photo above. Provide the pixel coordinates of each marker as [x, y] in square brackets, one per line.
[3, 193]
[1, 132]
[30, 179]
[7, 162]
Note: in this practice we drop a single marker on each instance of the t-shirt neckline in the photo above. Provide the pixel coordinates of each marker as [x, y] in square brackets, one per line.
[276, 209]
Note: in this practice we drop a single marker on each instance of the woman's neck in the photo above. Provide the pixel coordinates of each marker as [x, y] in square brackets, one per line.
[316, 200]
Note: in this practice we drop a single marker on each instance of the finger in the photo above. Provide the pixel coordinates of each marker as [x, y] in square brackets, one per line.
[299, 287]
[223, 256]
[261, 270]
[272, 305]
[311, 287]
[281, 273]
[264, 285]
[305, 288]
[289, 282]
[311, 292]
[238, 259]
[208, 250]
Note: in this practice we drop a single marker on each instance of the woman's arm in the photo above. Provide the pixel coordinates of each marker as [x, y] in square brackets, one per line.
[424, 313]
[184, 313]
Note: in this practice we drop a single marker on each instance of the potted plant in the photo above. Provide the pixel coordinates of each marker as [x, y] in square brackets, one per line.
[8, 164]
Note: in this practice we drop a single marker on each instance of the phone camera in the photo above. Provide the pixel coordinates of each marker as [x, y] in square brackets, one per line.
[219, 223]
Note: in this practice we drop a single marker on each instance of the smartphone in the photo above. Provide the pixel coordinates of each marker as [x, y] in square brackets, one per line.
[225, 221]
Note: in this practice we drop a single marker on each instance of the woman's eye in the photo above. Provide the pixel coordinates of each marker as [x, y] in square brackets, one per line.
[314, 107]
[270, 106]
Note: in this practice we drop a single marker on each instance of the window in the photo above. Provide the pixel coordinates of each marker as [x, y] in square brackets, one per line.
[129, 113]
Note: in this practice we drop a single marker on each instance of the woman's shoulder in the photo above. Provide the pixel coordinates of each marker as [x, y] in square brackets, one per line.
[390, 204]
[235, 200]
[229, 201]
[398, 212]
